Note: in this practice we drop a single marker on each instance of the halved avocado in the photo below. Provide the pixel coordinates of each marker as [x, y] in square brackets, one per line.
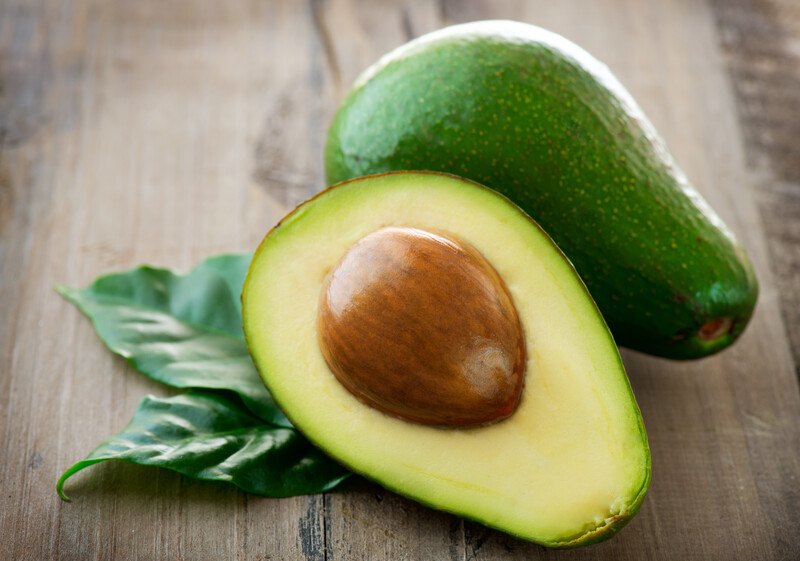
[569, 466]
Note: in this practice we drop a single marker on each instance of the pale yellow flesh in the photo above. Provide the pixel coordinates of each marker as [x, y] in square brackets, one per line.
[574, 453]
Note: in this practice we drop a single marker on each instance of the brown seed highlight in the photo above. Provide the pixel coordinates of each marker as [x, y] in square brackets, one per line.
[419, 325]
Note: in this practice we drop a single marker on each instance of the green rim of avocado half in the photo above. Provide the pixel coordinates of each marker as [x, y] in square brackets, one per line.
[568, 468]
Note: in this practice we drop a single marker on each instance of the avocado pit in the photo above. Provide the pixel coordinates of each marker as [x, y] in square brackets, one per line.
[419, 325]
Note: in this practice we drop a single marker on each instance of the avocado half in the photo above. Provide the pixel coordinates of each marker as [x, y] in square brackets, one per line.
[569, 467]
[532, 115]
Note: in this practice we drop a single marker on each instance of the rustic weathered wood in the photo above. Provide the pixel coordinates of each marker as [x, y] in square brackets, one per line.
[164, 132]
[130, 136]
[759, 39]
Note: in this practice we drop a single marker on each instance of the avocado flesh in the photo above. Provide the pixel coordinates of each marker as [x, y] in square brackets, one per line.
[569, 467]
[528, 113]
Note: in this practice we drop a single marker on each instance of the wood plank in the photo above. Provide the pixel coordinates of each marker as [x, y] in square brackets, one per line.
[164, 132]
[759, 39]
[132, 133]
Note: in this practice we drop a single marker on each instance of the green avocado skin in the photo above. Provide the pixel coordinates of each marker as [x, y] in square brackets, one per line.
[533, 116]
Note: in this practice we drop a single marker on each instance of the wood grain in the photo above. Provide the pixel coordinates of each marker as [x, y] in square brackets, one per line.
[163, 132]
[760, 42]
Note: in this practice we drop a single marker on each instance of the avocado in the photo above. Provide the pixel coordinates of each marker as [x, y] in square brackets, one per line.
[425, 332]
[530, 114]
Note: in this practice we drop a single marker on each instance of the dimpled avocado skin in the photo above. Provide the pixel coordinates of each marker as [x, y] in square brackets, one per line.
[526, 112]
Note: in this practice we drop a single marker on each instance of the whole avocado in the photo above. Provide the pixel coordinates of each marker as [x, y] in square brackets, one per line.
[532, 115]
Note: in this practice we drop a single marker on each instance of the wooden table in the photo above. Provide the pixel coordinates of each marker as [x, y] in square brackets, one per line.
[163, 132]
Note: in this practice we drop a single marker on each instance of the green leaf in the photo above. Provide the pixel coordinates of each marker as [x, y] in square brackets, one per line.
[182, 330]
[185, 331]
[208, 436]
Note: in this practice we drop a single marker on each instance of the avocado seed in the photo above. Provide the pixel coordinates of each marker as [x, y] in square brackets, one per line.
[419, 325]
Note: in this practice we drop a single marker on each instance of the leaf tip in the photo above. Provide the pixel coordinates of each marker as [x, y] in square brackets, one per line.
[60, 488]
[64, 291]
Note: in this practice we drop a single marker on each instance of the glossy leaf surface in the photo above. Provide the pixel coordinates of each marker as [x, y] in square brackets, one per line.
[181, 330]
[185, 331]
[211, 437]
